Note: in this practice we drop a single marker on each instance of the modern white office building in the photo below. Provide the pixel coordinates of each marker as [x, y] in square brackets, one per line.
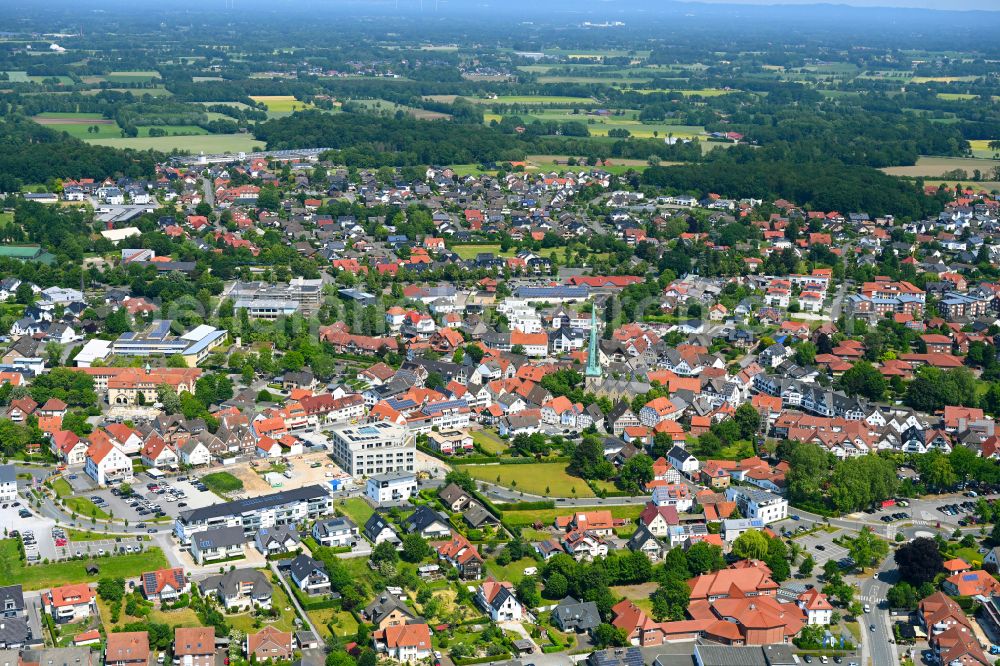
[373, 448]
[391, 487]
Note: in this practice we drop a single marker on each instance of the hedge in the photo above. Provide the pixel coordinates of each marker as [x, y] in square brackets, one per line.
[529, 506]
[482, 660]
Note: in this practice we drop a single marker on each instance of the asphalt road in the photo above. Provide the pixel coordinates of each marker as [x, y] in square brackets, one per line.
[876, 643]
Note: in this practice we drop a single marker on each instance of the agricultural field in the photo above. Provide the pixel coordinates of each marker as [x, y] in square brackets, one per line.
[544, 479]
[80, 125]
[42, 576]
[537, 99]
[934, 167]
[207, 143]
[131, 77]
[281, 104]
[981, 148]
[382, 105]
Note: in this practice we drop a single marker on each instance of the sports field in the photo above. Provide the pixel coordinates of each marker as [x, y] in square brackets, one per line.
[545, 479]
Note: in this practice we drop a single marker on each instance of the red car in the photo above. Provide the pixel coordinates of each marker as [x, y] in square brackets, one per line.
[60, 542]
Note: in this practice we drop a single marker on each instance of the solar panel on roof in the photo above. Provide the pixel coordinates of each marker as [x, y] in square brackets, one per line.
[970, 576]
[368, 430]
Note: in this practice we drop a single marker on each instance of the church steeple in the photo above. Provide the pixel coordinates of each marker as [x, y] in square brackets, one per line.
[593, 356]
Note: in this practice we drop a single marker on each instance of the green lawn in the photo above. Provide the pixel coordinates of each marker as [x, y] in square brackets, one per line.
[81, 535]
[470, 251]
[41, 576]
[104, 131]
[279, 599]
[85, 508]
[222, 482]
[341, 622]
[207, 143]
[281, 103]
[970, 555]
[546, 479]
[356, 509]
[62, 487]
[489, 441]
[513, 572]
[547, 516]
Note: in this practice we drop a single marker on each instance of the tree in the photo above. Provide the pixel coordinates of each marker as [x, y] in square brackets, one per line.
[919, 561]
[902, 595]
[527, 592]
[556, 587]
[777, 559]
[671, 599]
[24, 294]
[517, 349]
[636, 473]
[807, 565]
[118, 322]
[748, 419]
[751, 545]
[384, 552]
[703, 557]
[607, 635]
[863, 379]
[587, 457]
[866, 549]
[415, 548]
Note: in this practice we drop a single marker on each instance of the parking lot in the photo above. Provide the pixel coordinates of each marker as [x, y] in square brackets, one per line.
[820, 545]
[65, 547]
[39, 527]
[170, 497]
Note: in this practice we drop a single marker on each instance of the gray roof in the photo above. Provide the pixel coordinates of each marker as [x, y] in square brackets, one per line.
[8, 474]
[384, 604]
[238, 507]
[228, 584]
[11, 593]
[304, 566]
[15, 632]
[218, 537]
[477, 515]
[336, 525]
[576, 614]
[375, 524]
[452, 493]
[423, 518]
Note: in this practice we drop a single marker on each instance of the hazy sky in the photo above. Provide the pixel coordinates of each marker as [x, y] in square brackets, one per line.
[992, 5]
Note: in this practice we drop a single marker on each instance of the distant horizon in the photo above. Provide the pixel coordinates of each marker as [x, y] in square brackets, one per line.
[955, 5]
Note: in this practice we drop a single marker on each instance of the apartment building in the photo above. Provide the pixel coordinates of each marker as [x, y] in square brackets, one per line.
[373, 448]
[288, 507]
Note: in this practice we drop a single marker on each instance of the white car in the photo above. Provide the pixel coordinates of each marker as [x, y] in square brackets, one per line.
[100, 552]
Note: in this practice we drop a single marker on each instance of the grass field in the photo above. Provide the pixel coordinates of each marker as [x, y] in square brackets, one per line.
[935, 166]
[356, 509]
[380, 105]
[470, 251]
[537, 99]
[513, 572]
[132, 77]
[208, 143]
[941, 79]
[41, 576]
[981, 148]
[956, 97]
[547, 516]
[546, 479]
[222, 482]
[341, 622]
[62, 487]
[85, 508]
[490, 441]
[281, 103]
